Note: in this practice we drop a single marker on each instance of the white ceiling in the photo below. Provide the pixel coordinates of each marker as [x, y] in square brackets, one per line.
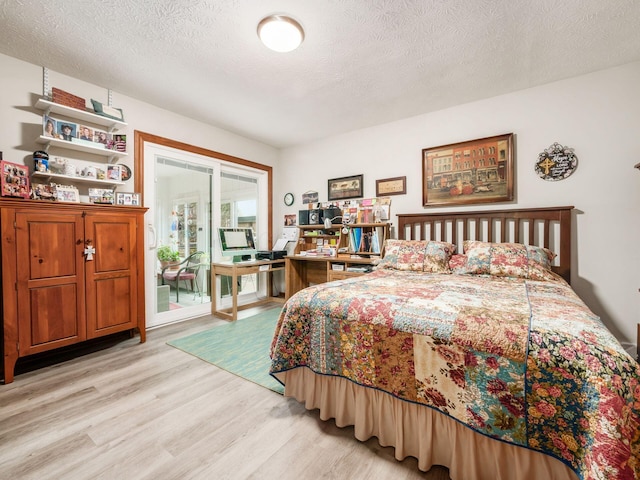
[363, 62]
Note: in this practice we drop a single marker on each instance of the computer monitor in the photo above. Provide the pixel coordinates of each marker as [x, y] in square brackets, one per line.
[237, 243]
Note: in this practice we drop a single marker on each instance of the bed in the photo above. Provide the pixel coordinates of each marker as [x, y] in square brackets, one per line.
[467, 348]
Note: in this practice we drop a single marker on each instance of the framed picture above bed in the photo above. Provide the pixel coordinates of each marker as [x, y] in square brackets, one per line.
[476, 171]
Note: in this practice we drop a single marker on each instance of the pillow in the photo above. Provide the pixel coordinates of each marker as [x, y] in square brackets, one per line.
[417, 256]
[508, 260]
[458, 263]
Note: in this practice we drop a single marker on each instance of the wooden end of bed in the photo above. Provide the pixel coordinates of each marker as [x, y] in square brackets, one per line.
[543, 227]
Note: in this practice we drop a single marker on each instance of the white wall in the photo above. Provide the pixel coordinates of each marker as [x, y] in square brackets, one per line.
[598, 115]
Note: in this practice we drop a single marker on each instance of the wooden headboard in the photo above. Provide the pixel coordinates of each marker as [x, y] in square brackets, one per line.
[543, 227]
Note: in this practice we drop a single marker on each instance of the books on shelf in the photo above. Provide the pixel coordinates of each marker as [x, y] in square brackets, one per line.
[375, 242]
[368, 240]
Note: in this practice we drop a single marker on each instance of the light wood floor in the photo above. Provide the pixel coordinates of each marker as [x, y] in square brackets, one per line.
[149, 411]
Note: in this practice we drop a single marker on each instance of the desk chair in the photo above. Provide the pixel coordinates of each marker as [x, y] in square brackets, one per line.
[186, 270]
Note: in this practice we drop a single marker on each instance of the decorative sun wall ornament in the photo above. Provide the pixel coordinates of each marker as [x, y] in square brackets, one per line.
[556, 163]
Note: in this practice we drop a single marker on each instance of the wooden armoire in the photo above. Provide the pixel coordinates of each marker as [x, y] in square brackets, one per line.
[70, 272]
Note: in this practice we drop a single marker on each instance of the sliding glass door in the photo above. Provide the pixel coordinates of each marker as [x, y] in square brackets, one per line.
[239, 208]
[189, 196]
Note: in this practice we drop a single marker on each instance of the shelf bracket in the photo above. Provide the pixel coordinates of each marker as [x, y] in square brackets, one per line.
[46, 90]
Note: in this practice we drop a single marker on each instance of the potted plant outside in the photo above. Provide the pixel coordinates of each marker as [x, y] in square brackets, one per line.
[167, 255]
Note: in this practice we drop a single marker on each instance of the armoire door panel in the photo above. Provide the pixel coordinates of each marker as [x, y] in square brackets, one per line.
[50, 280]
[111, 275]
[54, 316]
[115, 304]
[112, 241]
[51, 245]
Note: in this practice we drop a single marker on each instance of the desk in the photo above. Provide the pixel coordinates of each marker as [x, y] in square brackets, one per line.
[303, 271]
[236, 270]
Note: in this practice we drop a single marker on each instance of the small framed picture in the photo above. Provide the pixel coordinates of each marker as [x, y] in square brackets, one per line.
[128, 198]
[309, 197]
[67, 130]
[50, 127]
[114, 172]
[118, 143]
[67, 193]
[14, 180]
[101, 195]
[102, 137]
[290, 220]
[42, 191]
[391, 186]
[85, 133]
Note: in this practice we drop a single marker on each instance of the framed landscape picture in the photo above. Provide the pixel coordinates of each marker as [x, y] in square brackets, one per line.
[345, 187]
[391, 186]
[476, 171]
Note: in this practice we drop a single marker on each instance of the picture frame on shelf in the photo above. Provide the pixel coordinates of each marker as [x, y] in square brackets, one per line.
[67, 193]
[85, 133]
[471, 172]
[118, 142]
[391, 186]
[101, 195]
[67, 130]
[114, 172]
[345, 187]
[43, 191]
[101, 137]
[128, 198]
[50, 127]
[15, 180]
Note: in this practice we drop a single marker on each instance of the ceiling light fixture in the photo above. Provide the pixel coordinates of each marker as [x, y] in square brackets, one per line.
[280, 33]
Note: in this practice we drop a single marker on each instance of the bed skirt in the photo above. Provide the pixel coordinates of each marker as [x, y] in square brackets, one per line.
[421, 432]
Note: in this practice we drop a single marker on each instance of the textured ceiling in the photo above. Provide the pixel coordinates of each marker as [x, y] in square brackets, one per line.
[363, 62]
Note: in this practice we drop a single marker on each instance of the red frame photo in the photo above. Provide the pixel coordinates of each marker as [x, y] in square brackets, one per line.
[15, 180]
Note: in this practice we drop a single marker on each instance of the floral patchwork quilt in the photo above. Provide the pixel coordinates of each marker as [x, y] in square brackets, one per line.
[519, 360]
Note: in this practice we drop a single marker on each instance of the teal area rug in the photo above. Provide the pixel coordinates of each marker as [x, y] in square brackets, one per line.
[240, 347]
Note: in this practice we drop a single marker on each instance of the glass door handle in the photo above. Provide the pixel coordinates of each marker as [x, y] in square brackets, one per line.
[153, 237]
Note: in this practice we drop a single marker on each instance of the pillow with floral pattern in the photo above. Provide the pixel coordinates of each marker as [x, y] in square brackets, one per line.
[508, 260]
[458, 263]
[417, 256]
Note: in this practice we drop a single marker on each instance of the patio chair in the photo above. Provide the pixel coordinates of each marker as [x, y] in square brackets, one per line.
[186, 271]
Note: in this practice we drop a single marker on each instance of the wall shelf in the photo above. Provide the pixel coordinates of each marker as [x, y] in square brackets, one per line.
[53, 176]
[90, 117]
[81, 147]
